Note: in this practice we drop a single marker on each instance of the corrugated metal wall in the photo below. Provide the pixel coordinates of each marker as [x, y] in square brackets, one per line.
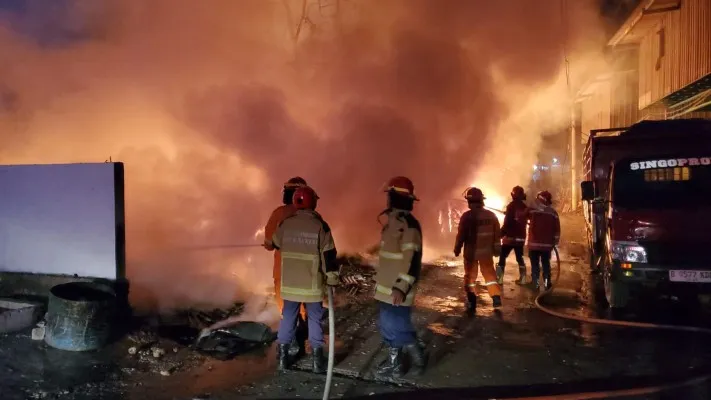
[623, 99]
[687, 51]
[595, 111]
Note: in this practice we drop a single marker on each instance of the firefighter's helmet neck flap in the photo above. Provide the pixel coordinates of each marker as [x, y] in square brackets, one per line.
[473, 205]
[517, 193]
[399, 201]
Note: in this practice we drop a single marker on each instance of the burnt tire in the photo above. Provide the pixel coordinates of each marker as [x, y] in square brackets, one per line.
[617, 293]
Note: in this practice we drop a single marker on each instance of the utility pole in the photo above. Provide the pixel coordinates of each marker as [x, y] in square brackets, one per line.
[574, 138]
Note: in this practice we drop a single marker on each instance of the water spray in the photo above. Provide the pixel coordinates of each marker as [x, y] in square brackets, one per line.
[222, 246]
[496, 210]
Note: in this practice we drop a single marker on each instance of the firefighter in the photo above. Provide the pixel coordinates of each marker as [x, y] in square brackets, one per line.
[543, 234]
[513, 235]
[396, 279]
[308, 258]
[282, 212]
[478, 233]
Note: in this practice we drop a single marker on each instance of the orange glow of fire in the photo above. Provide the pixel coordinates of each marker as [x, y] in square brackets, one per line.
[494, 200]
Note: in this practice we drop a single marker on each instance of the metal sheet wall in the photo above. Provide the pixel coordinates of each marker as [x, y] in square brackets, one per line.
[687, 51]
[623, 99]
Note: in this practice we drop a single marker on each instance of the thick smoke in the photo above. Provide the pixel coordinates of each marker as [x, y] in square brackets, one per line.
[212, 107]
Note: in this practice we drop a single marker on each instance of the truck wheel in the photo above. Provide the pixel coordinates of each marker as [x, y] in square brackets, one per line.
[617, 293]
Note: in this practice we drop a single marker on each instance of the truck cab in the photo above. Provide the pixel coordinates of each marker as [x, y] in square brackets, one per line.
[648, 210]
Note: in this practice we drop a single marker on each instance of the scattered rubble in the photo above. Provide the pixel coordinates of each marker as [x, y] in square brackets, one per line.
[38, 333]
[158, 352]
[357, 281]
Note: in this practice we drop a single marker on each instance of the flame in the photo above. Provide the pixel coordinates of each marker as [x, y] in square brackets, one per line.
[259, 232]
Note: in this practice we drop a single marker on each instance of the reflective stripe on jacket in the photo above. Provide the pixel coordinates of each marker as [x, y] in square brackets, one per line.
[479, 231]
[303, 239]
[400, 258]
[513, 230]
[543, 227]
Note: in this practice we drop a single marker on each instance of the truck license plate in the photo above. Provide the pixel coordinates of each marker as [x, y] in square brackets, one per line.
[680, 275]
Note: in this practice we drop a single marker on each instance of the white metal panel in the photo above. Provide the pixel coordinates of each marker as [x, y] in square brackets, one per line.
[60, 219]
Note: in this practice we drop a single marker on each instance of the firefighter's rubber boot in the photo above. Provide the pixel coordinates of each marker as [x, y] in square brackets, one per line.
[471, 302]
[282, 357]
[500, 274]
[417, 358]
[392, 365]
[496, 300]
[522, 275]
[535, 284]
[319, 361]
[547, 284]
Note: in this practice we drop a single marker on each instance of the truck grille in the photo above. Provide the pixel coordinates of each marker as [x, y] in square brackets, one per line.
[678, 253]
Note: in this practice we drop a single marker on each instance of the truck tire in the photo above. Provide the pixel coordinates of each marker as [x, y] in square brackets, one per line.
[617, 293]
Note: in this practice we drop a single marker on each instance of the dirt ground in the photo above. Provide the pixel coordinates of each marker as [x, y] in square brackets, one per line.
[516, 351]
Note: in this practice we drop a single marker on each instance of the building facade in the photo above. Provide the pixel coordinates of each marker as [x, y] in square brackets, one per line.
[659, 68]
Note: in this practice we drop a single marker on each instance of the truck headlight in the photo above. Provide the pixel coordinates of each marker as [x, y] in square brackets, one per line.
[629, 253]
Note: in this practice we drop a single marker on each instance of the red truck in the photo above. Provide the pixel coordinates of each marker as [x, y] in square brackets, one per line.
[647, 206]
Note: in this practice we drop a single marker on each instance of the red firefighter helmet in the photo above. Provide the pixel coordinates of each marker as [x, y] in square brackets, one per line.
[474, 195]
[295, 182]
[545, 197]
[517, 193]
[401, 185]
[304, 198]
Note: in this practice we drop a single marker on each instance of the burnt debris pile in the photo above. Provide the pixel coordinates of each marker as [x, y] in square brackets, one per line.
[227, 343]
[357, 283]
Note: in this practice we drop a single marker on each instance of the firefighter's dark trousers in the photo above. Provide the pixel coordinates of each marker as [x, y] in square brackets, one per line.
[471, 271]
[396, 325]
[288, 324]
[539, 257]
[506, 250]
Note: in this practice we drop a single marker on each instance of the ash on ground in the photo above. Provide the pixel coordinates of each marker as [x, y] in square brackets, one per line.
[168, 344]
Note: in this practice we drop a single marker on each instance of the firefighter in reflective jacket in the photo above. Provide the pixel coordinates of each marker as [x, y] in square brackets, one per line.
[308, 258]
[513, 235]
[543, 234]
[396, 279]
[279, 214]
[478, 233]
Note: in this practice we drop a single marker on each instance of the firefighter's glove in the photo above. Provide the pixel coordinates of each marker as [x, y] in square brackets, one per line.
[332, 278]
[457, 252]
[398, 297]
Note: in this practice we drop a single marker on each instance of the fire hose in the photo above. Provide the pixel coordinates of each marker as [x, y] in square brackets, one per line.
[222, 246]
[640, 391]
[331, 344]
